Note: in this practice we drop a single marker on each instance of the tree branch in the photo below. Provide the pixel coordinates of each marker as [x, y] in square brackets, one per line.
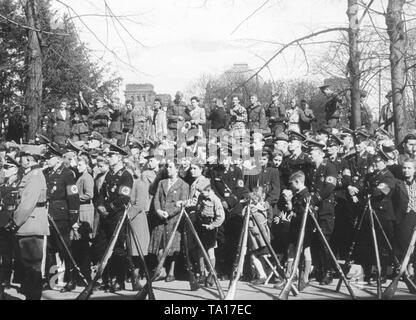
[30, 28]
[252, 14]
[314, 34]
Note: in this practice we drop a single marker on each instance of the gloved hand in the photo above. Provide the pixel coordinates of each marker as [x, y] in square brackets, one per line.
[11, 227]
[102, 210]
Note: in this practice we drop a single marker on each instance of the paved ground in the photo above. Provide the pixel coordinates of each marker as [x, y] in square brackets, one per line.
[179, 290]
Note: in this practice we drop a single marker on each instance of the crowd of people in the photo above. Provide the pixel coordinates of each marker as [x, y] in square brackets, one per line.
[87, 166]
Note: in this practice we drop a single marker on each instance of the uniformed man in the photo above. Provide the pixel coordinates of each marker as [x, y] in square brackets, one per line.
[380, 185]
[116, 124]
[296, 160]
[63, 200]
[358, 165]
[332, 106]
[344, 222]
[228, 185]
[101, 118]
[112, 201]
[30, 223]
[277, 115]
[8, 204]
[323, 179]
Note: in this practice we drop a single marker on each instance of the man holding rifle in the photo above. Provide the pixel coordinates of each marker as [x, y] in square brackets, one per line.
[323, 179]
[112, 201]
[63, 200]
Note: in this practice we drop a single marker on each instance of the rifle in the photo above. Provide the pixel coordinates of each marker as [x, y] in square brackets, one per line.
[201, 246]
[140, 250]
[141, 295]
[239, 261]
[188, 265]
[375, 244]
[284, 294]
[348, 261]
[86, 293]
[391, 289]
[71, 258]
[334, 259]
[279, 268]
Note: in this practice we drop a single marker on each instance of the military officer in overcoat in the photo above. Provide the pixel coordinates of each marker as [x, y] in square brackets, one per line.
[227, 183]
[63, 207]
[380, 187]
[30, 223]
[344, 211]
[112, 202]
[323, 179]
[8, 204]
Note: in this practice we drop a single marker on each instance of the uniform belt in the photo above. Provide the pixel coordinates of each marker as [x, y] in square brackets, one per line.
[41, 204]
[55, 200]
[85, 202]
[10, 208]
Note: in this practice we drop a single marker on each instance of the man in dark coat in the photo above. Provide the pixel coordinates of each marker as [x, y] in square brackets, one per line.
[63, 199]
[218, 116]
[256, 115]
[323, 179]
[381, 184]
[277, 115]
[177, 115]
[112, 202]
[227, 183]
[332, 106]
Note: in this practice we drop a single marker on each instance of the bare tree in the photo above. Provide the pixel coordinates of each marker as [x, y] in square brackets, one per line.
[34, 80]
[354, 62]
[397, 35]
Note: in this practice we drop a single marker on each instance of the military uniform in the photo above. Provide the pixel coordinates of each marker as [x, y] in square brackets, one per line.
[100, 121]
[277, 117]
[8, 204]
[115, 129]
[323, 180]
[64, 202]
[114, 196]
[30, 220]
[381, 186]
[229, 187]
[344, 211]
[80, 128]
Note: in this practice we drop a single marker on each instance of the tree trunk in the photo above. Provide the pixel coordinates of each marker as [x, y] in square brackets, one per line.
[354, 63]
[34, 81]
[396, 32]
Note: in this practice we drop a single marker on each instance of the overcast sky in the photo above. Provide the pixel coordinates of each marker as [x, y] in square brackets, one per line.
[186, 38]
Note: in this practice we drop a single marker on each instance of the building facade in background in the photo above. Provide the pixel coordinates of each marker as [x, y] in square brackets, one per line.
[144, 94]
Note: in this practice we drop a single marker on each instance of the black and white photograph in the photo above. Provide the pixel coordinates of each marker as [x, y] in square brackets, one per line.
[214, 151]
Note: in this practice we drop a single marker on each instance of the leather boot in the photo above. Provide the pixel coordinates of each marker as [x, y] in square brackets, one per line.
[71, 284]
[135, 280]
[117, 286]
[210, 280]
[327, 279]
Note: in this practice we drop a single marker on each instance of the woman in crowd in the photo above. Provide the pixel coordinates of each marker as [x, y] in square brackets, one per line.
[83, 233]
[140, 202]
